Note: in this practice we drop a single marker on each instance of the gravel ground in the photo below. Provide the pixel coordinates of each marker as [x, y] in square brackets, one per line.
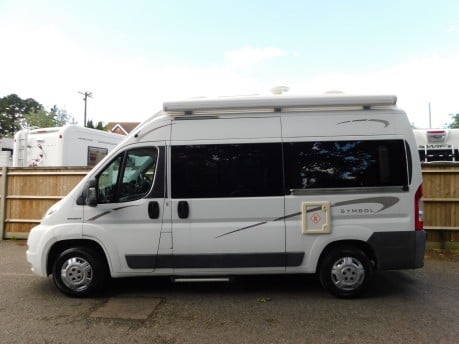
[414, 306]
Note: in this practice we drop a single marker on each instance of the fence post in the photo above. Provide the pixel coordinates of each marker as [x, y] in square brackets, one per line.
[3, 190]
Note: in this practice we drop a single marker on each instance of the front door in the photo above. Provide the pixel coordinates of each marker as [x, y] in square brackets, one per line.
[130, 203]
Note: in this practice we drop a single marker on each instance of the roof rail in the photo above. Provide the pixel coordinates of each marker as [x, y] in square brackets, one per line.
[278, 102]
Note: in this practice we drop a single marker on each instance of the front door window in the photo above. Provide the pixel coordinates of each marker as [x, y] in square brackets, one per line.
[128, 177]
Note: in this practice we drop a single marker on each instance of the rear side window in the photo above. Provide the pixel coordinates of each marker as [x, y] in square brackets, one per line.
[227, 170]
[345, 164]
[96, 154]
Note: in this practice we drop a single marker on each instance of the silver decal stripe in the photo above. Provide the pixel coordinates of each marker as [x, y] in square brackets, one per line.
[385, 123]
[385, 201]
[109, 211]
[126, 206]
[100, 215]
[244, 228]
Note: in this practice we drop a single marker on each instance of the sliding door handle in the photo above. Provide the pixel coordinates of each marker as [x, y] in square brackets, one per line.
[183, 209]
[153, 210]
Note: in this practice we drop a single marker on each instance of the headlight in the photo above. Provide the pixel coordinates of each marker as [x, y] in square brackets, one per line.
[53, 209]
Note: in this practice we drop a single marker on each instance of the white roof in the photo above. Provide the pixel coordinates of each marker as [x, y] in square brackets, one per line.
[279, 102]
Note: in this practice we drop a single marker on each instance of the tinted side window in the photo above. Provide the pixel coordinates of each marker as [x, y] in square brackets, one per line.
[337, 164]
[229, 170]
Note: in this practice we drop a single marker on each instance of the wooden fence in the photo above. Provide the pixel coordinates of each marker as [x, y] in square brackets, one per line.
[441, 204]
[26, 194]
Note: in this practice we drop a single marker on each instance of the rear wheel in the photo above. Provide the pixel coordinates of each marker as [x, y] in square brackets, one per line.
[345, 272]
[79, 272]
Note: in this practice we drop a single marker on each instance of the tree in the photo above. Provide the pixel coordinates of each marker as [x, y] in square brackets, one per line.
[90, 124]
[12, 113]
[39, 119]
[60, 116]
[17, 113]
[455, 123]
[99, 126]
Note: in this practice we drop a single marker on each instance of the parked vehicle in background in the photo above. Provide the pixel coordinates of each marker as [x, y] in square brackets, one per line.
[6, 148]
[69, 145]
[437, 145]
[213, 188]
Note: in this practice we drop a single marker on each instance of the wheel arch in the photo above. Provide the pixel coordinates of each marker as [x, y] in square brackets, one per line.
[63, 245]
[362, 245]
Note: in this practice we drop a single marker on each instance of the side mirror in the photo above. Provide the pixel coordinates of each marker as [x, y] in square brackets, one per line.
[91, 194]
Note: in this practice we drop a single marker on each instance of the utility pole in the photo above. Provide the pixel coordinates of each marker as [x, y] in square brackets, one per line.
[86, 95]
[430, 117]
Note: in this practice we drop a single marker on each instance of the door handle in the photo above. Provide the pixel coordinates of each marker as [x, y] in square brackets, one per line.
[153, 210]
[183, 209]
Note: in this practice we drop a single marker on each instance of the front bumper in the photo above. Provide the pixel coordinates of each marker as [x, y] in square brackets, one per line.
[36, 248]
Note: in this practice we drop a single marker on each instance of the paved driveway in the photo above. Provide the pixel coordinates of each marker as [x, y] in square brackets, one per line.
[420, 306]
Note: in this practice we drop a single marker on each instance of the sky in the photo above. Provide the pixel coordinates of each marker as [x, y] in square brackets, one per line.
[134, 55]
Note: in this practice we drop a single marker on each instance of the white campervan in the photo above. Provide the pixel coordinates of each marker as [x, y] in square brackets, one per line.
[246, 185]
[437, 145]
[69, 145]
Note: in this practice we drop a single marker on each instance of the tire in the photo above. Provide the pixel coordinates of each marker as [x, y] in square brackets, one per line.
[79, 272]
[345, 272]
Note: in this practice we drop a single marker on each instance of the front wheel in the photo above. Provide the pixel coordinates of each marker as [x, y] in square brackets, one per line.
[345, 272]
[79, 272]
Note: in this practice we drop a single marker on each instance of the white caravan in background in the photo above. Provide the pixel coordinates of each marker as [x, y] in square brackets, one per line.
[214, 188]
[69, 145]
[6, 148]
[437, 145]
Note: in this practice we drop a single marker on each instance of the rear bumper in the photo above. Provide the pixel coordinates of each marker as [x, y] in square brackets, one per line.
[398, 250]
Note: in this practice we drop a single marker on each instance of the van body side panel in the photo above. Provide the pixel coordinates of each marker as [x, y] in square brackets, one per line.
[226, 130]
[357, 162]
[353, 217]
[230, 176]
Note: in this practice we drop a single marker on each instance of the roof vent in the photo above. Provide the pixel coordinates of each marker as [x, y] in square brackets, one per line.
[278, 90]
